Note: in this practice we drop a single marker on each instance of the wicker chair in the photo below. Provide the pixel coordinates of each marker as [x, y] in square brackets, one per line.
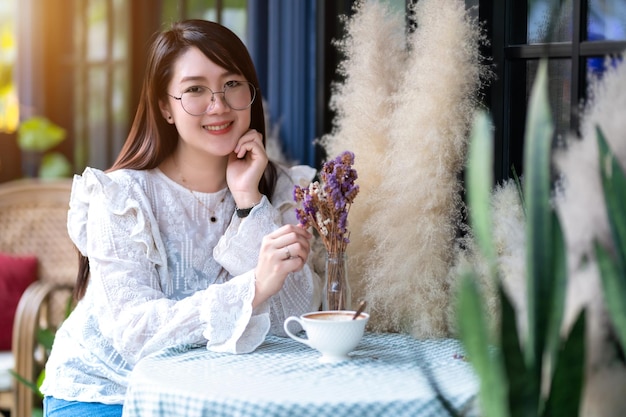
[33, 221]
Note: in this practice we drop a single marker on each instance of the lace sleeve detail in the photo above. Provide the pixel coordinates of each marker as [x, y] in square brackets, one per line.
[232, 326]
[111, 222]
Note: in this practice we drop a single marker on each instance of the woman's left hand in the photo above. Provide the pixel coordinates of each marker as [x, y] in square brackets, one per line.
[245, 168]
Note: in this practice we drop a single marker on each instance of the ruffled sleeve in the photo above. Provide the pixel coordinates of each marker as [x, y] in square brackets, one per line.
[95, 185]
[111, 221]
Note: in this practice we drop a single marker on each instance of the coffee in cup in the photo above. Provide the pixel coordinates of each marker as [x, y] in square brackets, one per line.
[333, 333]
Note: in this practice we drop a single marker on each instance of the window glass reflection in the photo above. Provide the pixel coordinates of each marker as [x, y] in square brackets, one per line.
[606, 20]
[549, 21]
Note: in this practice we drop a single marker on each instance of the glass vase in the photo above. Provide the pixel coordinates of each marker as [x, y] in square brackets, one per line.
[336, 295]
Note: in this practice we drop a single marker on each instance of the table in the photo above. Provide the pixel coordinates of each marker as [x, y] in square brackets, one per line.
[386, 376]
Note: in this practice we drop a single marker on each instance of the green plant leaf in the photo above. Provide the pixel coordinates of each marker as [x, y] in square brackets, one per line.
[31, 385]
[479, 179]
[559, 282]
[614, 185]
[522, 389]
[55, 165]
[487, 364]
[614, 288]
[39, 134]
[40, 378]
[518, 187]
[46, 337]
[567, 382]
[537, 153]
[613, 269]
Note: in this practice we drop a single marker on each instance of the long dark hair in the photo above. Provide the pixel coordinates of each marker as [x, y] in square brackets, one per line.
[151, 139]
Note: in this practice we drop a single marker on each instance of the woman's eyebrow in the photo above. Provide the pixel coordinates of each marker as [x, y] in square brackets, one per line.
[193, 78]
[203, 78]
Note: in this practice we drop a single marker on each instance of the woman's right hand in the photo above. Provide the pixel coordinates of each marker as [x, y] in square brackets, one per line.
[283, 251]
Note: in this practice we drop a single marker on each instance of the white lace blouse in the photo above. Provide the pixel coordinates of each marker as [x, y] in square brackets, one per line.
[168, 267]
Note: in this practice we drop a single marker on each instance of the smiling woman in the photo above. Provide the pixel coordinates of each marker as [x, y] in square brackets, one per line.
[183, 239]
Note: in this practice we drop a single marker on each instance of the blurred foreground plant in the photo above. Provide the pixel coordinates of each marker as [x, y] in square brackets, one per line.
[537, 373]
[613, 265]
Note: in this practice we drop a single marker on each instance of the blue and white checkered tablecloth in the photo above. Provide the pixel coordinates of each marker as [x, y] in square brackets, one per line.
[388, 375]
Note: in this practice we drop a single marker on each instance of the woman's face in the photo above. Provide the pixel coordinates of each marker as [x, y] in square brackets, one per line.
[217, 130]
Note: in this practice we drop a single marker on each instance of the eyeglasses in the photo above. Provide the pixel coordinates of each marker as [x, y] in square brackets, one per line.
[197, 100]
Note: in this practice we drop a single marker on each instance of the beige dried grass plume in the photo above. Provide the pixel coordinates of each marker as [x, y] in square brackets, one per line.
[409, 135]
[375, 51]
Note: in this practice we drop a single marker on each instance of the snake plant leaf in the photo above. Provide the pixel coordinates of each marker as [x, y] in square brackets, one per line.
[486, 362]
[559, 281]
[614, 185]
[479, 179]
[567, 382]
[614, 288]
[522, 390]
[613, 269]
[537, 154]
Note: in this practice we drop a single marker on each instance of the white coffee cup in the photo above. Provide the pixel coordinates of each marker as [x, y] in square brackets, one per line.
[332, 333]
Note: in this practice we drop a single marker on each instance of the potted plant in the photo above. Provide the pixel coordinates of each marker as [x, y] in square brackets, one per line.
[35, 137]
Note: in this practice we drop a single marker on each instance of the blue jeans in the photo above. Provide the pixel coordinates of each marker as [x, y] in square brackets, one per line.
[53, 407]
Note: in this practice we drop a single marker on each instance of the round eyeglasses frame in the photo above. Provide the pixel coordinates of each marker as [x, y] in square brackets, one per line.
[253, 90]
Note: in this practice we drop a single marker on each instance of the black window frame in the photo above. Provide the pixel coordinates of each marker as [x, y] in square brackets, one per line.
[507, 31]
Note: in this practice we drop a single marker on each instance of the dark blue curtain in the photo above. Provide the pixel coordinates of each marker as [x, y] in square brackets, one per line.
[281, 39]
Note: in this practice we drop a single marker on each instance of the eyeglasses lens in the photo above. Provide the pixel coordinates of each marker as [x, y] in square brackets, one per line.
[238, 96]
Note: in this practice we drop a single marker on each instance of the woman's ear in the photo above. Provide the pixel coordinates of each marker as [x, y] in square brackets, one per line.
[165, 111]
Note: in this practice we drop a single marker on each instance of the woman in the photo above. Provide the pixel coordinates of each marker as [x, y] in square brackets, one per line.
[190, 237]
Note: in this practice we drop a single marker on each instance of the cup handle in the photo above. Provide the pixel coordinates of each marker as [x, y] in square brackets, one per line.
[293, 336]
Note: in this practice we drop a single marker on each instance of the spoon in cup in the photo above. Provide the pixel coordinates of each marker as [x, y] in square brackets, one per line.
[359, 310]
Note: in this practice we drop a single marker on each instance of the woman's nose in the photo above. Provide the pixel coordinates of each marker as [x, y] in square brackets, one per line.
[218, 104]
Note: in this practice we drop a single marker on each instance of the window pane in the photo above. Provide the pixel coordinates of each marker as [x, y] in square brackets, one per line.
[120, 106]
[201, 9]
[233, 13]
[120, 31]
[607, 20]
[97, 32]
[559, 76]
[544, 13]
[96, 117]
[234, 17]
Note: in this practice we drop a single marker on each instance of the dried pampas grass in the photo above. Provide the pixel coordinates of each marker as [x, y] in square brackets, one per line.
[375, 51]
[405, 113]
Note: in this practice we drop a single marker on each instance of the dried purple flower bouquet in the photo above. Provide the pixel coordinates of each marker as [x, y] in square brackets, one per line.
[325, 207]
